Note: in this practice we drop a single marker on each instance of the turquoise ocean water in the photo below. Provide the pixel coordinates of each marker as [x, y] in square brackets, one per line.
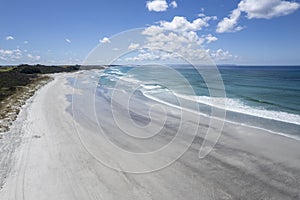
[267, 97]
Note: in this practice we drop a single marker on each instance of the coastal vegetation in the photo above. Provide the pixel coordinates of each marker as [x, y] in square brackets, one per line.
[18, 83]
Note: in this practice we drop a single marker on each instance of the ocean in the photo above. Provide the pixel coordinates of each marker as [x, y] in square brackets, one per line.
[266, 97]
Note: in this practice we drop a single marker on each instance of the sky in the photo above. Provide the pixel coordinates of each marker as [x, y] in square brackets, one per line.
[245, 32]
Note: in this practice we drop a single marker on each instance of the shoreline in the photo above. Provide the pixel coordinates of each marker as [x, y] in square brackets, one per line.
[228, 121]
[51, 163]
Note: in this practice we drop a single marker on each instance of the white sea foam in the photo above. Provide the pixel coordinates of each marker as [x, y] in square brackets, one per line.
[151, 86]
[115, 71]
[236, 105]
[148, 95]
[230, 104]
[113, 75]
[130, 80]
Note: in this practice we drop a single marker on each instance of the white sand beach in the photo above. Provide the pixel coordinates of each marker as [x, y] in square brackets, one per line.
[45, 158]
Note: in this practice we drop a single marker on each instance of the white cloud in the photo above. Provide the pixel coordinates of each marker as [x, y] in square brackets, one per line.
[229, 24]
[153, 30]
[211, 17]
[68, 40]
[264, 9]
[182, 24]
[173, 4]
[26, 42]
[104, 40]
[221, 55]
[214, 17]
[144, 57]
[157, 5]
[133, 46]
[178, 40]
[267, 9]
[178, 37]
[177, 34]
[10, 55]
[33, 58]
[17, 56]
[210, 38]
[9, 37]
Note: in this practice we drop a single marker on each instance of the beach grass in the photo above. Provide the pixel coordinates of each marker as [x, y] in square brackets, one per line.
[6, 69]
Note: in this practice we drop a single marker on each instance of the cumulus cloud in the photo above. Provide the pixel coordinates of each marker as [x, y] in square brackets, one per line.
[10, 55]
[179, 30]
[68, 40]
[157, 5]
[144, 57]
[133, 46]
[175, 39]
[104, 40]
[181, 24]
[173, 4]
[267, 9]
[221, 55]
[210, 38]
[160, 5]
[26, 42]
[33, 58]
[260, 9]
[9, 37]
[17, 55]
[201, 15]
[229, 24]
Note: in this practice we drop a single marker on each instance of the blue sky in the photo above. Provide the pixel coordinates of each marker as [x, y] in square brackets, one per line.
[64, 32]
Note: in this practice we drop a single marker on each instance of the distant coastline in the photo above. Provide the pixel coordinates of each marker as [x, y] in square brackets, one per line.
[19, 82]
